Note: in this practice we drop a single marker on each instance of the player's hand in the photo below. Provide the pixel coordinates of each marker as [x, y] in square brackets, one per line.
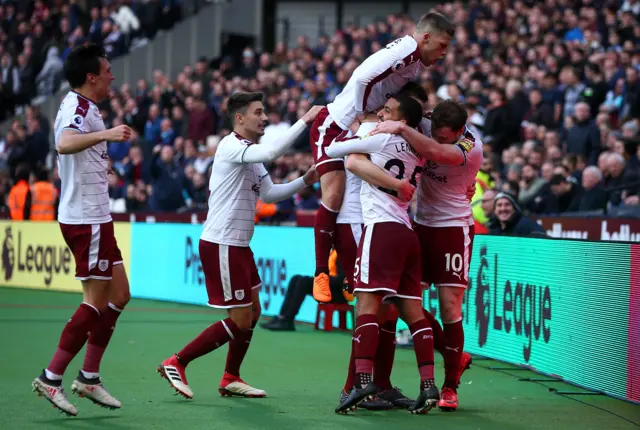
[471, 191]
[390, 127]
[311, 177]
[311, 114]
[405, 191]
[121, 133]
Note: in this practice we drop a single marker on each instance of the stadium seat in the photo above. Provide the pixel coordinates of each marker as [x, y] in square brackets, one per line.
[327, 310]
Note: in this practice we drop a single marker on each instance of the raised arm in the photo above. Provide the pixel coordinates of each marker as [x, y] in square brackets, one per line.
[450, 155]
[270, 152]
[72, 140]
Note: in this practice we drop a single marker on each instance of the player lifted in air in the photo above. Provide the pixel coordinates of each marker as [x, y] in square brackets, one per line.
[444, 224]
[383, 73]
[238, 179]
[87, 228]
[388, 263]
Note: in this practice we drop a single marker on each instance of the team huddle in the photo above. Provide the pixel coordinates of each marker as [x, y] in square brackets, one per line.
[374, 147]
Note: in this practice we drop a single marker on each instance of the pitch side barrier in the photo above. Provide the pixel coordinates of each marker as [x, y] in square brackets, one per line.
[566, 308]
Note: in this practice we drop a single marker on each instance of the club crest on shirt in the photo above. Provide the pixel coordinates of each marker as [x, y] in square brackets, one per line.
[78, 120]
[239, 294]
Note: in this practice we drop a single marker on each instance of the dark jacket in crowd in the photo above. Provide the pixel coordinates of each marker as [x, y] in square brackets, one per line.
[518, 225]
[584, 139]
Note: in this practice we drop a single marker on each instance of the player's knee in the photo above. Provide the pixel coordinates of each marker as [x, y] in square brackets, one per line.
[256, 311]
[451, 305]
[332, 184]
[121, 298]
[368, 303]
[450, 311]
[388, 312]
[242, 320]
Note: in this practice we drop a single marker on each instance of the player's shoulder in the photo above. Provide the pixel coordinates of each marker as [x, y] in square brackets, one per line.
[233, 139]
[400, 53]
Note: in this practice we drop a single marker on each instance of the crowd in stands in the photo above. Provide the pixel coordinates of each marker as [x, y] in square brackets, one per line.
[37, 35]
[551, 87]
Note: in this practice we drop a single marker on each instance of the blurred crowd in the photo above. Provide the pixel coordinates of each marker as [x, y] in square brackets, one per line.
[37, 35]
[551, 87]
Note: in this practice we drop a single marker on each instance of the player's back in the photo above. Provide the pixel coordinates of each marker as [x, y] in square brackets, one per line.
[385, 72]
[84, 196]
[442, 191]
[398, 159]
[234, 191]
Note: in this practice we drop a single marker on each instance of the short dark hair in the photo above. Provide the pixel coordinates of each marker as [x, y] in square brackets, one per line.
[449, 113]
[410, 109]
[557, 179]
[240, 101]
[82, 60]
[434, 22]
[414, 89]
[41, 174]
[22, 172]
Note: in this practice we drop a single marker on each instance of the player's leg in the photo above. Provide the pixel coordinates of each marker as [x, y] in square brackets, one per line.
[227, 278]
[451, 283]
[365, 338]
[332, 183]
[428, 251]
[385, 355]
[88, 383]
[438, 333]
[421, 333]
[409, 301]
[91, 252]
[231, 383]
[347, 241]
[377, 273]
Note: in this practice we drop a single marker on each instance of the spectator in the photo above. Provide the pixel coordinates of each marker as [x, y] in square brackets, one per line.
[584, 137]
[530, 185]
[567, 195]
[152, 128]
[510, 220]
[168, 181]
[487, 208]
[496, 134]
[201, 121]
[167, 134]
[595, 197]
[621, 184]
[539, 111]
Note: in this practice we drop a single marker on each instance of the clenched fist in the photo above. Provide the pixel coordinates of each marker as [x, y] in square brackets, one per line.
[121, 133]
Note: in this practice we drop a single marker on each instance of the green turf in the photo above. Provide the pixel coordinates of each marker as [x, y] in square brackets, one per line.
[302, 373]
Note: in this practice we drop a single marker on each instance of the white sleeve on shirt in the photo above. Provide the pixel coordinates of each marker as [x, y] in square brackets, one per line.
[355, 145]
[236, 152]
[271, 193]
